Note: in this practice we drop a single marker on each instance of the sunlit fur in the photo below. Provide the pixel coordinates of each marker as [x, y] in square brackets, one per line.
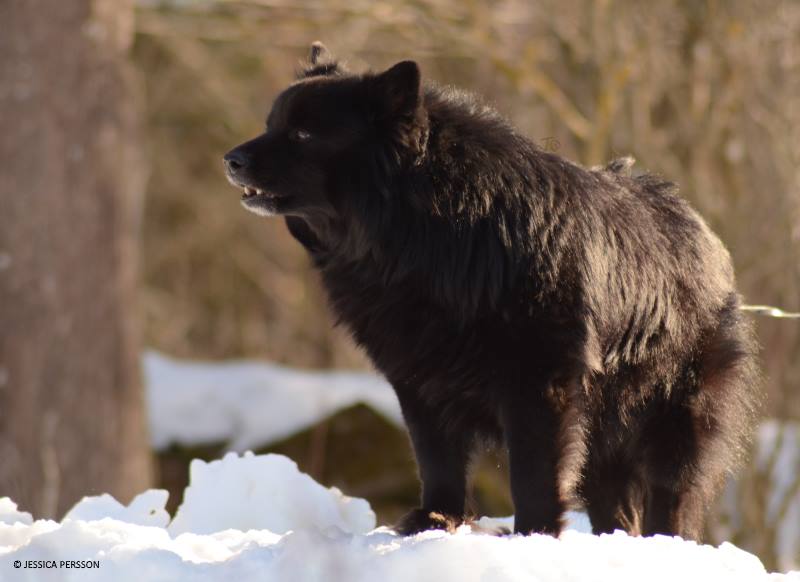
[586, 318]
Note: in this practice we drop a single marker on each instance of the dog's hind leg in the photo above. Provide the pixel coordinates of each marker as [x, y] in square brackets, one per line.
[679, 482]
[613, 496]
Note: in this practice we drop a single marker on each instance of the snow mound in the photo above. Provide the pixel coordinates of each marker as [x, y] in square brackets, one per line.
[146, 509]
[247, 404]
[10, 515]
[258, 518]
[264, 492]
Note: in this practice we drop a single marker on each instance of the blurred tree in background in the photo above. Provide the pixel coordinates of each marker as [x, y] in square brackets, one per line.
[71, 181]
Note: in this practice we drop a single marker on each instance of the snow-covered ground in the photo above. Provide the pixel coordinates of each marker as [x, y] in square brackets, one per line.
[248, 404]
[258, 518]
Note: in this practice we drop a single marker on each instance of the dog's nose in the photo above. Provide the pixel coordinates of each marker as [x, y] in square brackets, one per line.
[236, 160]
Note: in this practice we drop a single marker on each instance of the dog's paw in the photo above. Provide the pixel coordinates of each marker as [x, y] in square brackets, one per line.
[491, 530]
[418, 520]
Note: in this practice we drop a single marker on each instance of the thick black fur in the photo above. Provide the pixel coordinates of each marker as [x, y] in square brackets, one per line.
[586, 318]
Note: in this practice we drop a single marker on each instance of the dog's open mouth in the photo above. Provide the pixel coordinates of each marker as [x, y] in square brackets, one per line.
[250, 193]
[262, 202]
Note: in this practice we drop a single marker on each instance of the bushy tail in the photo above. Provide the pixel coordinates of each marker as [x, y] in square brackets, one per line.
[731, 392]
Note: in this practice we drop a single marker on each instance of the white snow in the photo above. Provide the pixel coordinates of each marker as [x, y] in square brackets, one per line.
[10, 514]
[257, 518]
[264, 492]
[146, 509]
[247, 404]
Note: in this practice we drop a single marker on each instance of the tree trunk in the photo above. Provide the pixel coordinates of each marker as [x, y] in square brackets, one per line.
[71, 405]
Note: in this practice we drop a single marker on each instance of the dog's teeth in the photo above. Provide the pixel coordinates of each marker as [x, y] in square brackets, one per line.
[249, 191]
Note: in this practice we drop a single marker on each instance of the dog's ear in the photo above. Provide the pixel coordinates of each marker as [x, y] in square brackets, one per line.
[396, 103]
[320, 63]
[319, 54]
[397, 91]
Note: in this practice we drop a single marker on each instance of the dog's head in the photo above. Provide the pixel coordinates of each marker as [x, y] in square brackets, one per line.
[325, 130]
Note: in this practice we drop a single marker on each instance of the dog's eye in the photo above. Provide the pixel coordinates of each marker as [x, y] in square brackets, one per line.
[299, 135]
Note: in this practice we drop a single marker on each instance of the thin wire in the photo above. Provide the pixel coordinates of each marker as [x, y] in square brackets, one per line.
[770, 311]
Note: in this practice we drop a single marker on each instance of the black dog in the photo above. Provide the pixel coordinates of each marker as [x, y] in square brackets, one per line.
[586, 318]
